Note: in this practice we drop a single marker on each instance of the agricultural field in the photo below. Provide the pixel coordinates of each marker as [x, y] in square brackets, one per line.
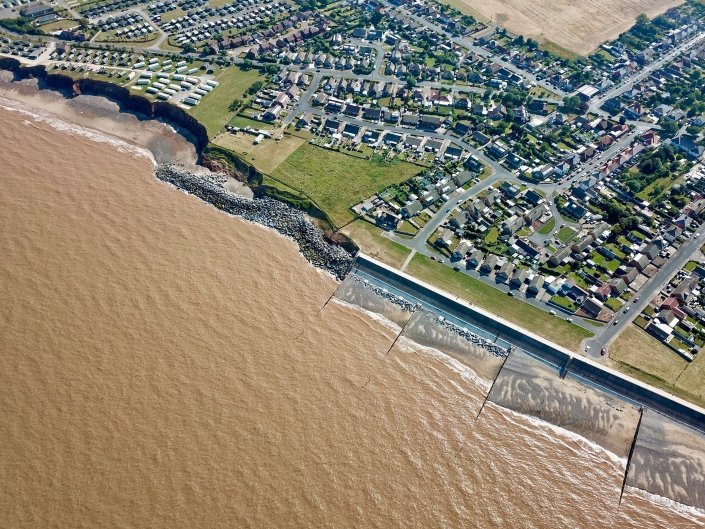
[337, 181]
[578, 27]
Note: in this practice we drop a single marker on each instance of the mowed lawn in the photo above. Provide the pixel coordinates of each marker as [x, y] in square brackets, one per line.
[538, 321]
[337, 181]
[213, 110]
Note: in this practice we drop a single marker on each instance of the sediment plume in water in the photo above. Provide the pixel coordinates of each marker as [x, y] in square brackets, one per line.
[166, 365]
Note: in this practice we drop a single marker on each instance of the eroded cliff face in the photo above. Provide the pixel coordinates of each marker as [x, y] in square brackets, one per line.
[127, 100]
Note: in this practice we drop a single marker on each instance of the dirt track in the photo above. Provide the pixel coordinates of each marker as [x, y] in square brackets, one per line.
[577, 25]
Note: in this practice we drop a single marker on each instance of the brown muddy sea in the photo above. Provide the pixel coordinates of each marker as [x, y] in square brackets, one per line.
[165, 365]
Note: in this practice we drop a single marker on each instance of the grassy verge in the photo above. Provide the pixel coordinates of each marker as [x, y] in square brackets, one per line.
[213, 110]
[369, 239]
[548, 227]
[637, 348]
[532, 318]
[337, 181]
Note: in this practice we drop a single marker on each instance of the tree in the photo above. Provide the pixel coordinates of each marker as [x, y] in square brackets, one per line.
[669, 128]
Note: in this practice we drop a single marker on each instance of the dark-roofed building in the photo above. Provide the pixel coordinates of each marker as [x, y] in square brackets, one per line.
[429, 122]
[36, 10]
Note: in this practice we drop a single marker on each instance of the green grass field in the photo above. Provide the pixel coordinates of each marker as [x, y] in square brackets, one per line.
[548, 227]
[337, 181]
[213, 110]
[565, 234]
[369, 239]
[489, 298]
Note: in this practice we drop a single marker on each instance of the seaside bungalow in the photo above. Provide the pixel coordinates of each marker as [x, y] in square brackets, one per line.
[411, 210]
[518, 278]
[592, 307]
[535, 285]
[445, 239]
[505, 272]
[660, 330]
[461, 250]
[475, 259]
[489, 264]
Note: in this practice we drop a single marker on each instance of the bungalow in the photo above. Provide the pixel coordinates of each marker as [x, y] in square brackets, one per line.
[535, 285]
[667, 317]
[528, 247]
[410, 120]
[480, 138]
[458, 219]
[433, 145]
[640, 261]
[352, 110]
[514, 161]
[583, 243]
[461, 250]
[511, 225]
[429, 122]
[496, 151]
[475, 259]
[305, 120]
[533, 197]
[592, 307]
[660, 330]
[628, 274]
[350, 130]
[444, 239]
[684, 291]
[453, 152]
[688, 146]
[617, 285]
[518, 278]
[372, 114]
[603, 292]
[489, 264]
[559, 256]
[411, 210]
[332, 125]
[473, 163]
[505, 272]
[430, 197]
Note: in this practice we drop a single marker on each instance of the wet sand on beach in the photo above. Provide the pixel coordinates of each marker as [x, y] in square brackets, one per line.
[168, 366]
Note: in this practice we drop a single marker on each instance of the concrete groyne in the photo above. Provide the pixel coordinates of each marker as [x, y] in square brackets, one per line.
[267, 212]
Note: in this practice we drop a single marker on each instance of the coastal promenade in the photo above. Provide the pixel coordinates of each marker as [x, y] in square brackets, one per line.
[566, 363]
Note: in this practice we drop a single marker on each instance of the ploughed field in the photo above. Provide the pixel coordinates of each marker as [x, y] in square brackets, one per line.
[579, 26]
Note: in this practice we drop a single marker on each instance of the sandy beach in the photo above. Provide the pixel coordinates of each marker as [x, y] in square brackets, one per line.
[529, 386]
[669, 460]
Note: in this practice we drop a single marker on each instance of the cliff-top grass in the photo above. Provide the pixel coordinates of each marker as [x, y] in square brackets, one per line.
[213, 110]
[337, 181]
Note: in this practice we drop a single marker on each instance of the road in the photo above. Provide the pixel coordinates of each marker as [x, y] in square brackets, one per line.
[468, 44]
[604, 337]
[595, 104]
